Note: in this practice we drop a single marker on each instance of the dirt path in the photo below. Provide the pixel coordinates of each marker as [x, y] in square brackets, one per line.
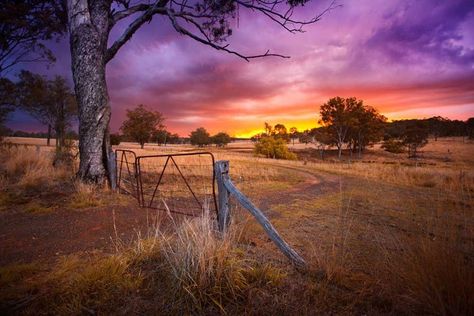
[315, 184]
[26, 237]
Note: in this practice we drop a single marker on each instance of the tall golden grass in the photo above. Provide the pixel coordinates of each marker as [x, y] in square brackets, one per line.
[188, 267]
[28, 166]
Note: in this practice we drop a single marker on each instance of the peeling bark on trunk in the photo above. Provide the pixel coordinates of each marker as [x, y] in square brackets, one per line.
[89, 30]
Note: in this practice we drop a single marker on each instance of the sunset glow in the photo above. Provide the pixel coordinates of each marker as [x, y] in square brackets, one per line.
[381, 52]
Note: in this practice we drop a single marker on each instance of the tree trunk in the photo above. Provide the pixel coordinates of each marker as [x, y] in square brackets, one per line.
[89, 28]
[48, 140]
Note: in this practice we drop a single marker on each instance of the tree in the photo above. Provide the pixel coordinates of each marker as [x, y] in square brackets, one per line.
[51, 102]
[280, 131]
[415, 137]
[367, 127]
[337, 115]
[7, 101]
[470, 127]
[90, 24]
[436, 125]
[293, 134]
[161, 136]
[268, 129]
[305, 138]
[200, 137]
[323, 138]
[174, 139]
[24, 25]
[141, 124]
[393, 145]
[115, 139]
[221, 139]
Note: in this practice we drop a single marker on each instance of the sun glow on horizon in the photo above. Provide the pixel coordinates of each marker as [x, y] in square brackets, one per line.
[301, 126]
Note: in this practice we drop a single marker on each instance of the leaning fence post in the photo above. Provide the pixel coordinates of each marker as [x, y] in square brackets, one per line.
[223, 213]
[112, 169]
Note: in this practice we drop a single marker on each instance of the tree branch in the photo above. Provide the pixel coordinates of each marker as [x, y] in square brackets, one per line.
[132, 10]
[198, 19]
[157, 8]
[172, 16]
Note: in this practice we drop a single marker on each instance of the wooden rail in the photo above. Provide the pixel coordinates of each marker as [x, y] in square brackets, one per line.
[225, 189]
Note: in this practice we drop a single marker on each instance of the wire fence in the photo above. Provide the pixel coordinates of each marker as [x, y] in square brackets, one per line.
[176, 183]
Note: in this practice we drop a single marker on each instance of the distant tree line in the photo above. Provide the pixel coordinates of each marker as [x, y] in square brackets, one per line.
[349, 124]
[144, 126]
[50, 101]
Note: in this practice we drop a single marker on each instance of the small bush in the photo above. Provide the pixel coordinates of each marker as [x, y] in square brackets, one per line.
[273, 148]
[393, 146]
[115, 139]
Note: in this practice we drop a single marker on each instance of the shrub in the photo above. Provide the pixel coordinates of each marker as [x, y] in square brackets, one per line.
[273, 148]
[115, 139]
[393, 146]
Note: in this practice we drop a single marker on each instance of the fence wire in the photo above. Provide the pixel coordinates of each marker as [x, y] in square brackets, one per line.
[178, 183]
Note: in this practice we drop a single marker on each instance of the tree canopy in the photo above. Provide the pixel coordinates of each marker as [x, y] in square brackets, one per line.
[141, 124]
[221, 139]
[24, 25]
[51, 102]
[7, 101]
[200, 137]
[349, 120]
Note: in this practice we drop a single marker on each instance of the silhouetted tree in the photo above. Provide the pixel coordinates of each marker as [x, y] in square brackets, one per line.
[366, 128]
[293, 134]
[174, 139]
[200, 137]
[470, 127]
[24, 25]
[323, 138]
[141, 124]
[337, 115]
[161, 136]
[51, 102]
[415, 137]
[305, 137]
[115, 139]
[268, 129]
[221, 139]
[7, 102]
[280, 131]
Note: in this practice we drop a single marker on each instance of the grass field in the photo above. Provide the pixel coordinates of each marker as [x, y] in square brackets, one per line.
[381, 235]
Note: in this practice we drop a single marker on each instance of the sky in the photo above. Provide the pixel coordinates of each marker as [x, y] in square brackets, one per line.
[408, 59]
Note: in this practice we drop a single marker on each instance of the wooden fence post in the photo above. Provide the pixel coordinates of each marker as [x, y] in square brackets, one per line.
[227, 188]
[112, 169]
[223, 213]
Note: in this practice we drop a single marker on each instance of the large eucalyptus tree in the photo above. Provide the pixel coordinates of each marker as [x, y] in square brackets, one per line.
[90, 23]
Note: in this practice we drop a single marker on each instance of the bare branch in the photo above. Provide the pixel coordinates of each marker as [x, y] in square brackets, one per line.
[172, 16]
[157, 8]
[132, 10]
[198, 19]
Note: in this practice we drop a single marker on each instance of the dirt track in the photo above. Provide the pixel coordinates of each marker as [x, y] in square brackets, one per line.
[26, 237]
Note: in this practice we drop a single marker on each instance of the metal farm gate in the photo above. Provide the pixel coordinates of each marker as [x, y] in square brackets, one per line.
[185, 184]
[179, 183]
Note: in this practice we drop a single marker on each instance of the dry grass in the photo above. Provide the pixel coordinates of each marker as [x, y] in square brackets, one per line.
[431, 276]
[394, 239]
[193, 270]
[28, 167]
